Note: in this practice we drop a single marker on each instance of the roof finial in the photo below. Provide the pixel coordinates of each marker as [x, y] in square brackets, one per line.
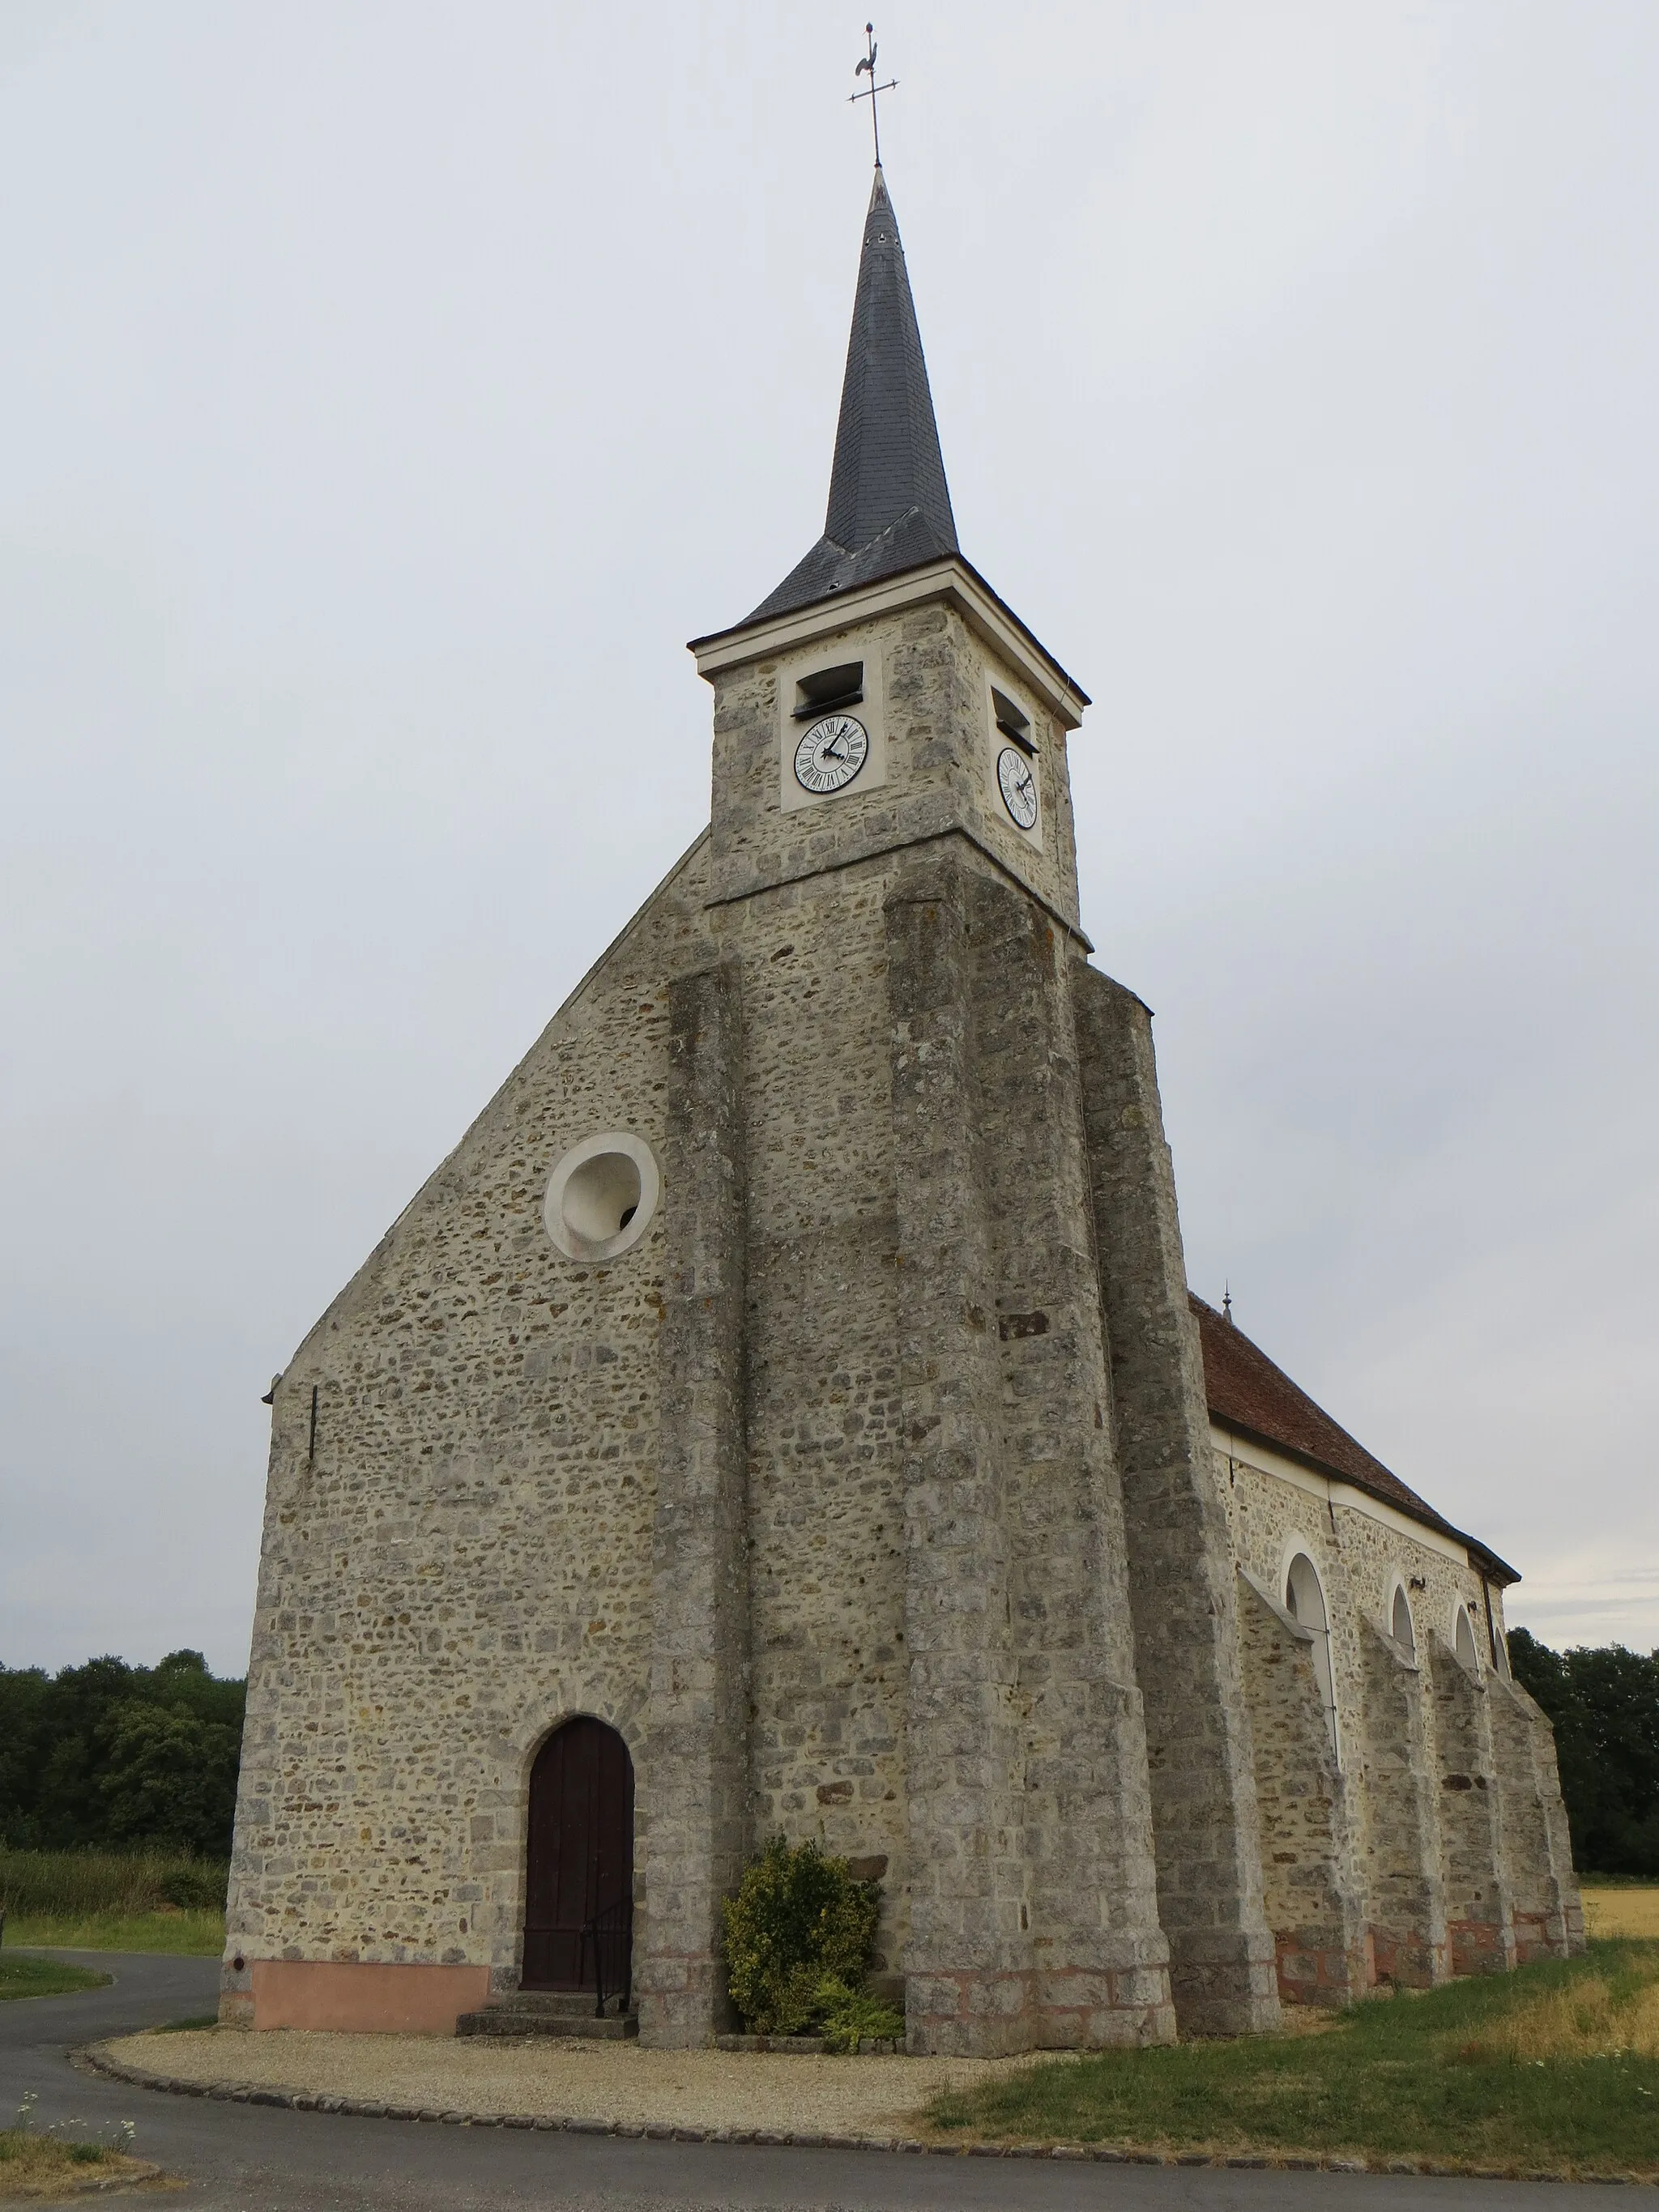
[1226, 1302]
[871, 89]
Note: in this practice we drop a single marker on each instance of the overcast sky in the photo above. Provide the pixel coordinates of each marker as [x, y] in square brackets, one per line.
[388, 392]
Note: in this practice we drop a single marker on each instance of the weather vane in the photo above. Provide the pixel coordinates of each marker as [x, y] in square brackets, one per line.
[872, 87]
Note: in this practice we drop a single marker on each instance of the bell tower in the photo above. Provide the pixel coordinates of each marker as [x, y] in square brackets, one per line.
[964, 1305]
[882, 695]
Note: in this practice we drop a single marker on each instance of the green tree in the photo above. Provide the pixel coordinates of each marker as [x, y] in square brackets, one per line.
[1604, 1702]
[169, 1777]
[109, 1755]
[24, 1694]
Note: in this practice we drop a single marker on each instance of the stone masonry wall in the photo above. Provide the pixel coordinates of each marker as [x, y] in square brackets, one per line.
[1479, 1916]
[1178, 1542]
[1402, 1870]
[696, 1829]
[1547, 1911]
[458, 1555]
[1033, 1913]
[1311, 1884]
[1098, 1955]
[969, 1957]
[826, 1565]
[1413, 1731]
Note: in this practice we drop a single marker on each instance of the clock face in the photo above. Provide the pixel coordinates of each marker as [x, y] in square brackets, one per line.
[832, 753]
[1017, 781]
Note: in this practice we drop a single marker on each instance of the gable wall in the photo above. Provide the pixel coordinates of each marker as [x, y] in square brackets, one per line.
[467, 1560]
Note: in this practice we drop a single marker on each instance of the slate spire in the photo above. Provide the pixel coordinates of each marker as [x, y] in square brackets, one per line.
[889, 507]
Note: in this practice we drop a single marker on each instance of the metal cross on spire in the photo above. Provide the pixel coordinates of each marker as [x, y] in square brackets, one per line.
[871, 89]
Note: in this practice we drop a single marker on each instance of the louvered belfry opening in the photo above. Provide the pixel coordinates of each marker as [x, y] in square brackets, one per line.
[579, 1875]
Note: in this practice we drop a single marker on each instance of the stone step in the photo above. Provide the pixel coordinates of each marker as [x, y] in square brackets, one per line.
[576, 2003]
[514, 2019]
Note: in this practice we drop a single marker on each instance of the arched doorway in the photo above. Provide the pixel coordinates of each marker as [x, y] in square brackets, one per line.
[579, 1869]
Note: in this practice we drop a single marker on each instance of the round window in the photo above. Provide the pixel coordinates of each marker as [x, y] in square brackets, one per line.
[601, 1196]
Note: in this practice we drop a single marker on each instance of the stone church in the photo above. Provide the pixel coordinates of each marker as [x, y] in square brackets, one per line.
[785, 1411]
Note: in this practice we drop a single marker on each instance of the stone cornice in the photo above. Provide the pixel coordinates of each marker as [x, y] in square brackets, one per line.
[762, 885]
[952, 579]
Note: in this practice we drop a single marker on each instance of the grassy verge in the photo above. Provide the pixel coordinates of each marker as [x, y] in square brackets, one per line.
[22, 1976]
[193, 1935]
[1556, 2066]
[43, 2166]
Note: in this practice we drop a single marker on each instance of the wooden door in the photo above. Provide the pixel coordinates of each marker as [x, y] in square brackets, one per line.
[579, 1867]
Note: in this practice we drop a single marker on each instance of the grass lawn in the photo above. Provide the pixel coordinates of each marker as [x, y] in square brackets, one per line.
[22, 1976]
[198, 1935]
[1556, 2066]
[40, 2165]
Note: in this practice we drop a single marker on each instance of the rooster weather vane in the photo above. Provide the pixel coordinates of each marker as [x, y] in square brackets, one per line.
[871, 89]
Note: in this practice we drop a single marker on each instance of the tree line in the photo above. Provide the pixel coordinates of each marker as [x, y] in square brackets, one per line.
[112, 1757]
[1604, 1702]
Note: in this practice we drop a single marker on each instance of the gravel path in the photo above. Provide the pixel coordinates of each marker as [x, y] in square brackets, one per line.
[237, 2157]
[614, 2081]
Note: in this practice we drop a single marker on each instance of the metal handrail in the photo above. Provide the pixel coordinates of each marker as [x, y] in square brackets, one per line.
[610, 1931]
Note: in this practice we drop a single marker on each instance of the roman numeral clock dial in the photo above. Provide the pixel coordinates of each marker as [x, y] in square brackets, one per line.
[1017, 781]
[832, 753]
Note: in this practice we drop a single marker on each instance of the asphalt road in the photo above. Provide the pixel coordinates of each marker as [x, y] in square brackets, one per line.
[253, 2158]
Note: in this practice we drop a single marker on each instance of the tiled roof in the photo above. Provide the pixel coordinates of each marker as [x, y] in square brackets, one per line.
[1248, 1392]
[889, 508]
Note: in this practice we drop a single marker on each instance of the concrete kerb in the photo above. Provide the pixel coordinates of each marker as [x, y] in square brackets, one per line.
[96, 2060]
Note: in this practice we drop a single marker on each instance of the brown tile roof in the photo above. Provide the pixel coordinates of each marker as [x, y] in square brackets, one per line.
[1248, 1392]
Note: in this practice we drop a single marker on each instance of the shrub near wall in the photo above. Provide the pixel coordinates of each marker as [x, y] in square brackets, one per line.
[800, 1936]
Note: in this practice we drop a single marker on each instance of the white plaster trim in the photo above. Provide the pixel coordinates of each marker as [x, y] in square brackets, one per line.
[1297, 1546]
[949, 579]
[534, 1733]
[1461, 1612]
[594, 1250]
[1399, 1585]
[996, 743]
[1247, 1452]
[871, 713]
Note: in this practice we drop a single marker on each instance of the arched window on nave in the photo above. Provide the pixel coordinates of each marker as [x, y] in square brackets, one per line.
[1399, 1624]
[1305, 1600]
